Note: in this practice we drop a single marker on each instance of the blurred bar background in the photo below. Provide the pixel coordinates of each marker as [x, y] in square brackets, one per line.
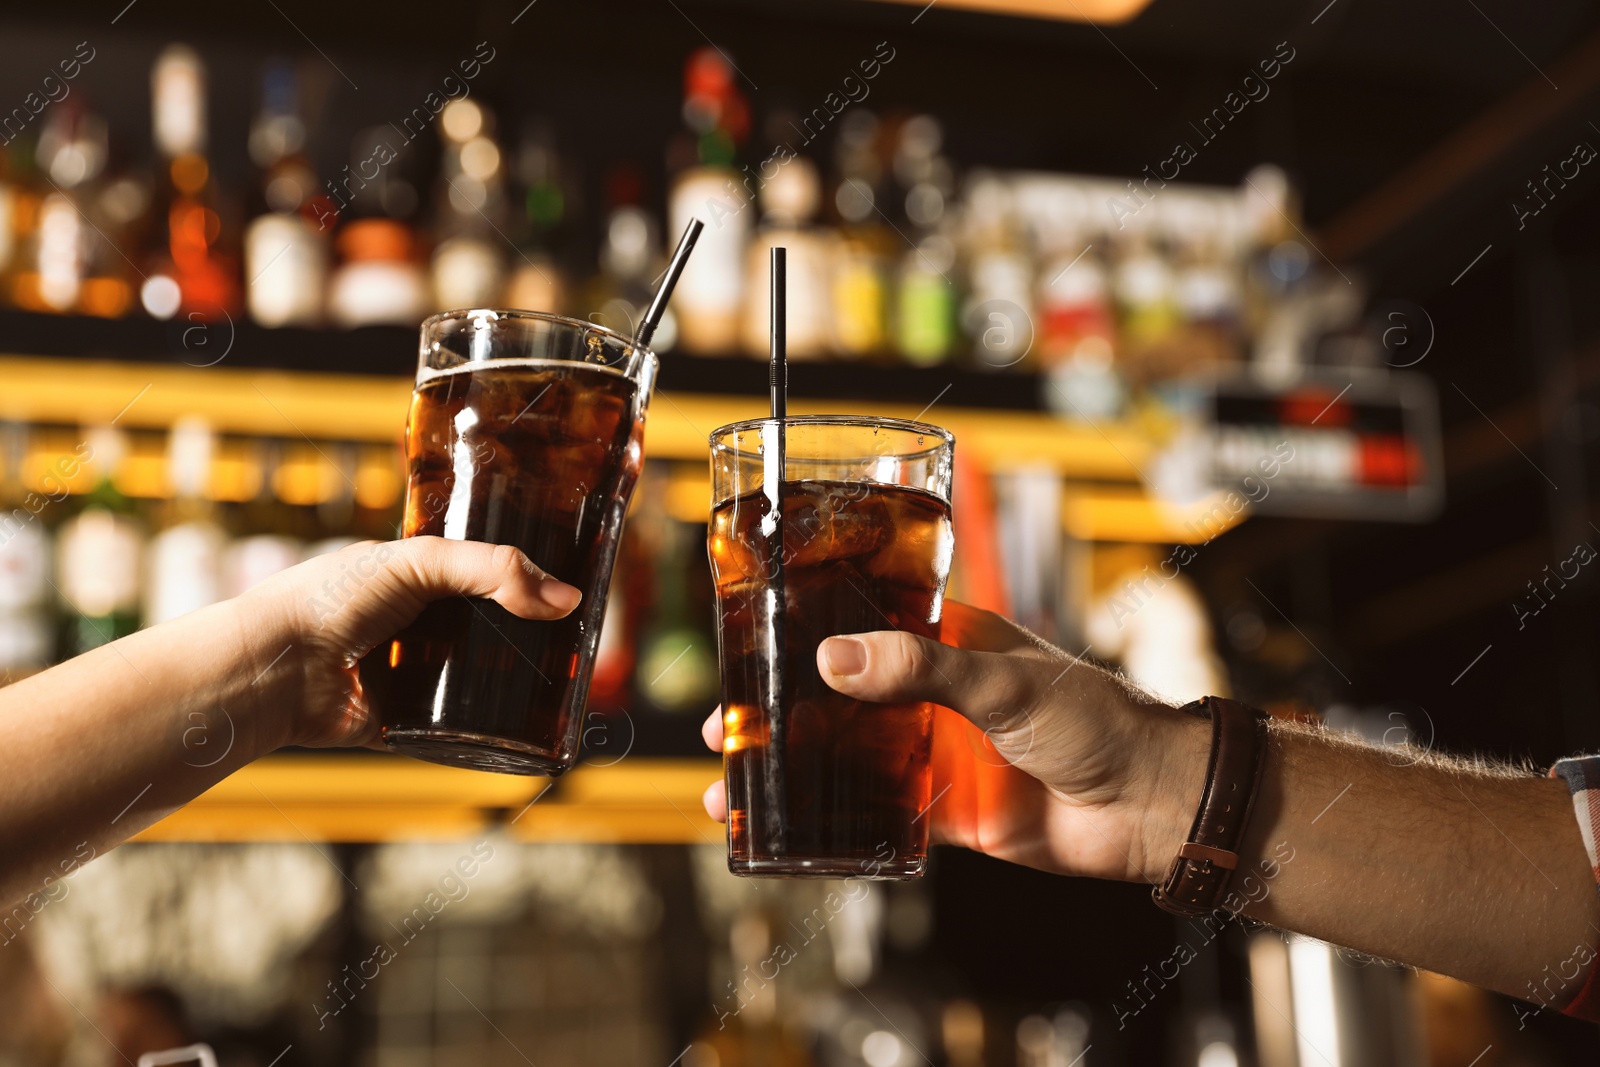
[1262, 342]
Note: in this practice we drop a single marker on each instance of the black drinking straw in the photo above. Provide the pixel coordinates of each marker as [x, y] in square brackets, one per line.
[777, 717]
[658, 303]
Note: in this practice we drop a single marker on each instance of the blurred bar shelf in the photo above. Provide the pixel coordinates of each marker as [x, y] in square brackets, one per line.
[1100, 463]
[374, 797]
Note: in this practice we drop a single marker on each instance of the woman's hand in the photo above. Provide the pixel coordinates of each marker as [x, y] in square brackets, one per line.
[111, 741]
[1045, 759]
[335, 608]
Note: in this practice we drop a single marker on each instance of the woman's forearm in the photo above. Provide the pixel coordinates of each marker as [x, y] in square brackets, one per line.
[103, 745]
[1438, 863]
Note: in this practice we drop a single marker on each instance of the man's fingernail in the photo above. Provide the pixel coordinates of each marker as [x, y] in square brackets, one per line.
[559, 594]
[845, 655]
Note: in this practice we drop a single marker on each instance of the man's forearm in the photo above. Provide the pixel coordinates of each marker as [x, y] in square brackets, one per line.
[1473, 872]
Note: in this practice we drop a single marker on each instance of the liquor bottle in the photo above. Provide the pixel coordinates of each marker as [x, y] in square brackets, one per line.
[1208, 294]
[538, 279]
[961, 1029]
[1077, 328]
[1043, 1041]
[748, 1030]
[380, 481]
[997, 314]
[789, 201]
[677, 669]
[1143, 288]
[186, 267]
[26, 622]
[860, 288]
[1279, 276]
[266, 544]
[709, 296]
[285, 254]
[99, 555]
[613, 657]
[1212, 1040]
[629, 602]
[12, 208]
[468, 268]
[379, 278]
[336, 511]
[619, 295]
[183, 568]
[925, 292]
[303, 480]
[70, 153]
[120, 211]
[1270, 216]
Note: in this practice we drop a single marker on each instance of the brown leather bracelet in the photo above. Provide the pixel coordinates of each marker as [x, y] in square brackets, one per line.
[1197, 882]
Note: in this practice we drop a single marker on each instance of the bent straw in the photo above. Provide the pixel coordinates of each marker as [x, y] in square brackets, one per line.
[658, 303]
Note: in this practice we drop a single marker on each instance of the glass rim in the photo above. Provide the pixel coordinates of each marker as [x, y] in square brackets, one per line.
[432, 322]
[946, 439]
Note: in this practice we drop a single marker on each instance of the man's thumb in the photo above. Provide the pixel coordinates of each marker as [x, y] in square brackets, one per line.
[892, 666]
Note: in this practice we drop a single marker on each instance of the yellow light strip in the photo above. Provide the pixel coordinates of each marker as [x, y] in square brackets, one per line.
[294, 797]
[345, 407]
[1130, 515]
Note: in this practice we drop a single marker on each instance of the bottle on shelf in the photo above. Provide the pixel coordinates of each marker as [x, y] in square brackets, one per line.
[380, 482]
[677, 669]
[629, 603]
[267, 543]
[1144, 290]
[961, 1029]
[789, 201]
[379, 279]
[709, 296]
[860, 272]
[538, 280]
[184, 561]
[614, 654]
[1043, 1041]
[1207, 291]
[15, 206]
[188, 268]
[336, 510]
[27, 623]
[120, 209]
[749, 1030]
[925, 296]
[1077, 332]
[285, 254]
[303, 480]
[54, 266]
[468, 267]
[998, 313]
[100, 554]
[619, 295]
[1278, 276]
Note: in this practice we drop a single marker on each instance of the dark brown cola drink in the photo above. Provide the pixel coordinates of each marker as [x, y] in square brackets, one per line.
[542, 455]
[820, 784]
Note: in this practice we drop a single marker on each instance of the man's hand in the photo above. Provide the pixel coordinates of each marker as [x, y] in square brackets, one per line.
[1460, 868]
[1046, 759]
